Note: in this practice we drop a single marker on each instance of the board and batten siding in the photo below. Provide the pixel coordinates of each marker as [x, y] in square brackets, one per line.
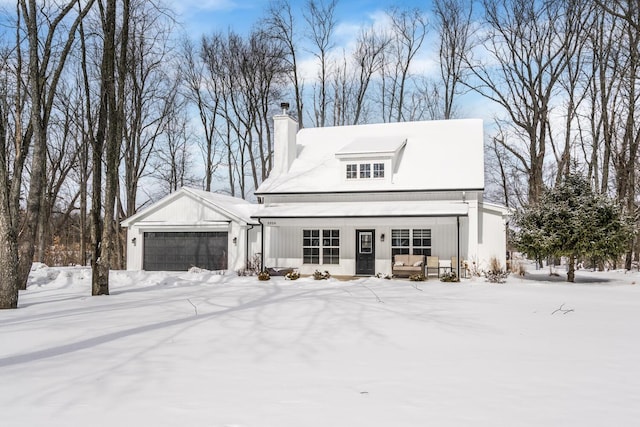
[283, 243]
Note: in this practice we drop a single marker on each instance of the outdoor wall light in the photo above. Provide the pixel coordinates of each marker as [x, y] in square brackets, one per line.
[382, 237]
[235, 240]
[133, 241]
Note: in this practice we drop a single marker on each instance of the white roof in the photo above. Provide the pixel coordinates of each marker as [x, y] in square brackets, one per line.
[233, 208]
[376, 146]
[437, 155]
[363, 209]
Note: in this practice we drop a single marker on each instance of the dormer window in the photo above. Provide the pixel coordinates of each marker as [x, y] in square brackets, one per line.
[378, 170]
[365, 170]
[352, 171]
[370, 160]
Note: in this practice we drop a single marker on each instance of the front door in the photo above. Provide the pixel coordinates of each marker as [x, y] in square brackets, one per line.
[365, 252]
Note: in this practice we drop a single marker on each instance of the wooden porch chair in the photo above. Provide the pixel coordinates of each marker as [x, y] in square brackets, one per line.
[433, 265]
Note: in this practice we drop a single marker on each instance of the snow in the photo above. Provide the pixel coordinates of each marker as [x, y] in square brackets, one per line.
[432, 158]
[205, 349]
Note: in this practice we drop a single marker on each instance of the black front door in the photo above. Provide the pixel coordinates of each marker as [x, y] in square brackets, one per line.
[365, 252]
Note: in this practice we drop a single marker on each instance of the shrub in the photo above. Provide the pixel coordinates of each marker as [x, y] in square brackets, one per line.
[264, 275]
[318, 275]
[417, 277]
[383, 276]
[292, 275]
[519, 268]
[495, 273]
[449, 276]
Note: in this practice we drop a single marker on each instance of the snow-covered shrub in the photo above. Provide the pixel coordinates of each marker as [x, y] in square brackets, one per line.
[417, 277]
[318, 275]
[495, 273]
[449, 276]
[383, 276]
[292, 275]
[264, 275]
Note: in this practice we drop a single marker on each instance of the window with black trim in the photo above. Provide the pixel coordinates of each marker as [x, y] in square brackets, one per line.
[421, 242]
[313, 246]
[416, 241]
[331, 246]
[399, 242]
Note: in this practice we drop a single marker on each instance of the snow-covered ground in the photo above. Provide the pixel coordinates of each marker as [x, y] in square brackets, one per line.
[200, 349]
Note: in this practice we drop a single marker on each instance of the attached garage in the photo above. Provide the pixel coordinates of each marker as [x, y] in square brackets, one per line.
[192, 228]
[179, 251]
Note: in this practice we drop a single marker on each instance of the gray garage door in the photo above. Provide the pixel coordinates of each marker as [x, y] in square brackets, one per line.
[181, 251]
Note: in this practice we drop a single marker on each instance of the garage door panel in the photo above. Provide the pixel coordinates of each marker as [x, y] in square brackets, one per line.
[180, 251]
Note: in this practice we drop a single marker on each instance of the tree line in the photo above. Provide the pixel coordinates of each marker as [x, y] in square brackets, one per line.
[106, 105]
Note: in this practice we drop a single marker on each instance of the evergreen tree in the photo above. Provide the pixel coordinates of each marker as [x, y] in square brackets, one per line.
[571, 220]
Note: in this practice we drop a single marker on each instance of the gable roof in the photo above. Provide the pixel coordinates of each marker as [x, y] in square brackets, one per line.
[234, 208]
[430, 156]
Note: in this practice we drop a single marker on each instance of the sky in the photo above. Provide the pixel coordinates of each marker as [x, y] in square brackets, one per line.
[206, 16]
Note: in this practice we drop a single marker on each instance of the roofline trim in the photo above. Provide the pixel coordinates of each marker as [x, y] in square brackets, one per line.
[365, 192]
[364, 216]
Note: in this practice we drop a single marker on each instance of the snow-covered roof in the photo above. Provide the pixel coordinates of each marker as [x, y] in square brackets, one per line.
[437, 155]
[234, 208]
[363, 209]
[372, 146]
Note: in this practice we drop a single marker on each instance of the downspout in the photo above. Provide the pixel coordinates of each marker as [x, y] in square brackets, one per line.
[246, 245]
[458, 248]
[261, 244]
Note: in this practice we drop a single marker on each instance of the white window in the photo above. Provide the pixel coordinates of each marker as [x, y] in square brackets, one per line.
[365, 170]
[378, 170]
[352, 171]
[313, 246]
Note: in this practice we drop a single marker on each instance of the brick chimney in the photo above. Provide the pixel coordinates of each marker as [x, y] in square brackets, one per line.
[284, 141]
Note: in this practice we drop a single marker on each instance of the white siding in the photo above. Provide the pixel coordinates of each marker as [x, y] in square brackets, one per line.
[494, 245]
[283, 244]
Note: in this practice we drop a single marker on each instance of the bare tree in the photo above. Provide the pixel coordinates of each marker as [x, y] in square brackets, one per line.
[368, 59]
[453, 21]
[9, 249]
[173, 155]
[528, 55]
[408, 32]
[201, 88]
[148, 80]
[280, 24]
[46, 63]
[321, 23]
[626, 152]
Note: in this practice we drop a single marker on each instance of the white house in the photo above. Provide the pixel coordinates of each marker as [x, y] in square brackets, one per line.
[342, 199]
[192, 227]
[347, 199]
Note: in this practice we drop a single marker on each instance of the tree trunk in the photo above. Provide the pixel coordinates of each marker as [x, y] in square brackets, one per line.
[8, 249]
[571, 271]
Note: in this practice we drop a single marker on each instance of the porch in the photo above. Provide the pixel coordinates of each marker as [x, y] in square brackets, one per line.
[342, 239]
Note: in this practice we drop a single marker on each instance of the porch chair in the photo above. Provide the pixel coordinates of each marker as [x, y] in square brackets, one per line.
[433, 264]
